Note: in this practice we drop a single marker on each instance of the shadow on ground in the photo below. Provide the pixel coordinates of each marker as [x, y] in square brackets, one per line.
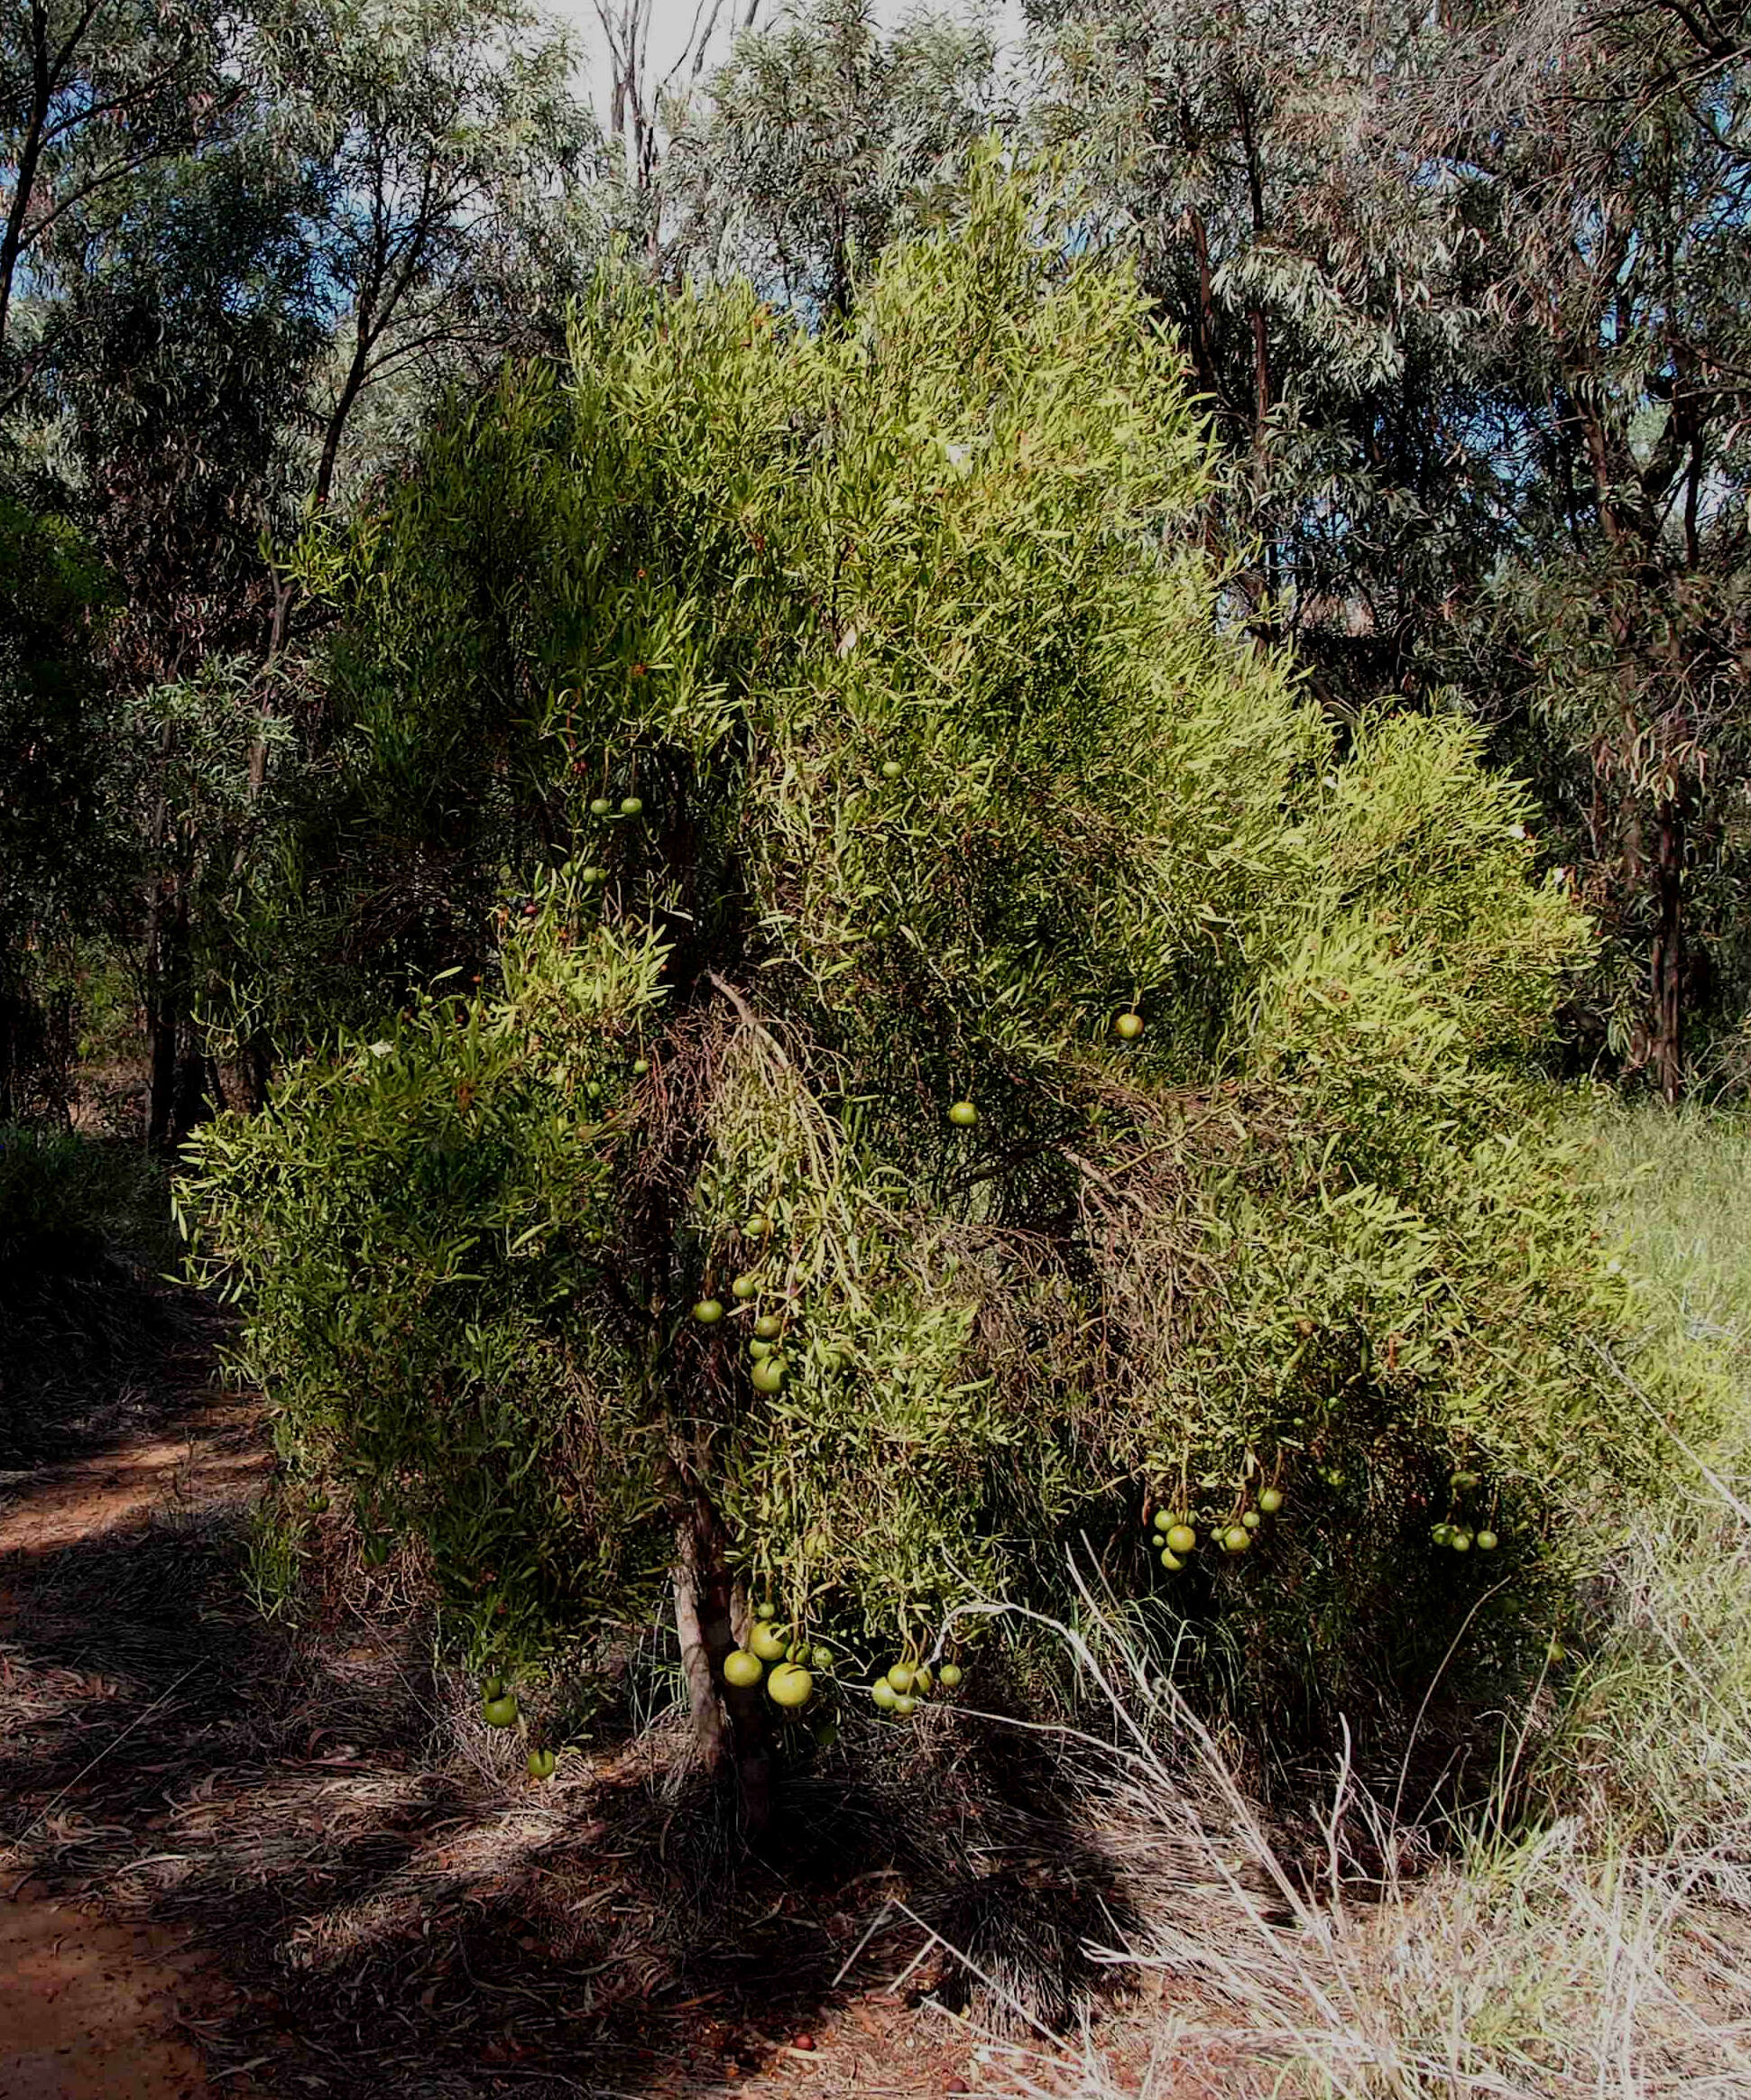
[393, 1907]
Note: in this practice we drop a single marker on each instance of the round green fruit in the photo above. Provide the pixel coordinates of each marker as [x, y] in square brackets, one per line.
[630, 806]
[900, 1676]
[1251, 1519]
[822, 1658]
[1270, 1500]
[827, 1733]
[890, 769]
[641, 1066]
[766, 1611]
[963, 1115]
[501, 1712]
[789, 1685]
[746, 1288]
[1128, 1028]
[767, 1325]
[758, 1227]
[767, 1641]
[494, 1688]
[768, 1375]
[760, 1350]
[949, 1676]
[884, 1695]
[1556, 1653]
[1236, 1539]
[906, 1704]
[593, 877]
[1181, 1538]
[742, 1668]
[600, 807]
[541, 1764]
[1461, 1541]
[708, 1312]
[1440, 1533]
[1487, 1542]
[922, 1680]
[1171, 1561]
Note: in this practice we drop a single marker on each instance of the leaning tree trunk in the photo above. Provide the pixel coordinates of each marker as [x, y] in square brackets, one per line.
[1667, 968]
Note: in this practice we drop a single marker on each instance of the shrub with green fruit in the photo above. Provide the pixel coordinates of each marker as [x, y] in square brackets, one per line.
[902, 639]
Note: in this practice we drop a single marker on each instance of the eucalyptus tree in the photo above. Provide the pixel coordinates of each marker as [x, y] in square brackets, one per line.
[820, 137]
[91, 93]
[1595, 164]
[453, 155]
[1237, 153]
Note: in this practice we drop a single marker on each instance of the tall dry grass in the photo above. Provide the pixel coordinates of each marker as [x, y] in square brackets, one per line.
[1586, 1934]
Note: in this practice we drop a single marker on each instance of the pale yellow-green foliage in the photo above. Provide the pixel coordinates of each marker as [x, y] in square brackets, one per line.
[904, 635]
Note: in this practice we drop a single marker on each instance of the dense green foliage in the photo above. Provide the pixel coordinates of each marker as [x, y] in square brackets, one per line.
[1464, 299]
[902, 642]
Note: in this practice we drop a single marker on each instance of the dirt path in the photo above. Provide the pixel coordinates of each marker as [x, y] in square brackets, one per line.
[90, 2011]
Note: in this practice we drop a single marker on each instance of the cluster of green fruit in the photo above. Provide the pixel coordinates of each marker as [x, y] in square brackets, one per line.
[1453, 1531]
[781, 1658]
[1175, 1536]
[498, 1709]
[498, 1704]
[904, 1686]
[630, 807]
[764, 1348]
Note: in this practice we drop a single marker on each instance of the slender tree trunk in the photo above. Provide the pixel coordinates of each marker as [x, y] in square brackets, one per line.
[730, 1723]
[703, 1703]
[44, 71]
[163, 1017]
[1666, 1030]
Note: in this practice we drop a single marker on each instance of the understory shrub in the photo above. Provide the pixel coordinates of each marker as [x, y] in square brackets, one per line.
[753, 742]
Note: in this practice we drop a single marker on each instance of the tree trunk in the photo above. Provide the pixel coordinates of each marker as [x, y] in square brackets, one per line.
[730, 1724]
[702, 1704]
[29, 153]
[162, 1017]
[1666, 1030]
[258, 1071]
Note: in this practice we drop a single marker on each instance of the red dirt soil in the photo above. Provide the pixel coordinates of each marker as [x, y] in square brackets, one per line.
[90, 2011]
